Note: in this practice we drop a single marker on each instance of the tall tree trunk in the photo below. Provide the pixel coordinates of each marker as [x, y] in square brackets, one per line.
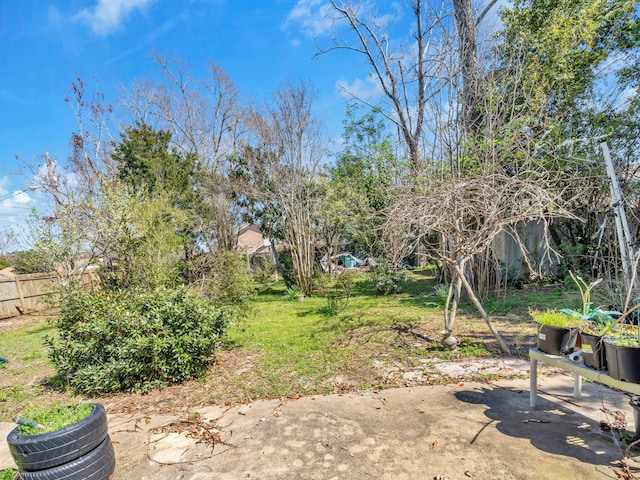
[468, 52]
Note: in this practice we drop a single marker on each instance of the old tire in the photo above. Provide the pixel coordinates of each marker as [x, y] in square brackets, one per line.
[44, 451]
[98, 464]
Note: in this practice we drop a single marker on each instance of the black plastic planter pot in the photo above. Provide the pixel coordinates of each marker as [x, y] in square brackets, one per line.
[593, 351]
[623, 362]
[556, 340]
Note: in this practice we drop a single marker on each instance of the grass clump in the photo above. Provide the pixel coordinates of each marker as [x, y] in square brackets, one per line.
[554, 318]
[52, 418]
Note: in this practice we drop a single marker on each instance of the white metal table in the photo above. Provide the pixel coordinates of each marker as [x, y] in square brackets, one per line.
[578, 370]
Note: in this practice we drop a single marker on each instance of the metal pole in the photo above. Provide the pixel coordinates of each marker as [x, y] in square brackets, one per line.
[622, 227]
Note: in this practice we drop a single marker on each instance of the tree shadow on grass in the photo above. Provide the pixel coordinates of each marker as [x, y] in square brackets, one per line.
[357, 329]
[551, 427]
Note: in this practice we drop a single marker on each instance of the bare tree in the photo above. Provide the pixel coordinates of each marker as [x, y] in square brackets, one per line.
[469, 214]
[402, 72]
[290, 148]
[468, 54]
[206, 118]
[69, 236]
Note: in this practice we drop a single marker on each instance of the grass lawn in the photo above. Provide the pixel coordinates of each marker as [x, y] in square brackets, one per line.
[291, 348]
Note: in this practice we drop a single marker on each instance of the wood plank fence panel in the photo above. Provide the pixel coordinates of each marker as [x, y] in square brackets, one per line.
[34, 292]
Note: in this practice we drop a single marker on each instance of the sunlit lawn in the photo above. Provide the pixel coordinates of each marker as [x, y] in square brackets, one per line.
[289, 347]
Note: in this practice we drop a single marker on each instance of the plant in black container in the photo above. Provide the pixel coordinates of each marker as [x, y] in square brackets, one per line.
[592, 343]
[623, 353]
[596, 323]
[557, 331]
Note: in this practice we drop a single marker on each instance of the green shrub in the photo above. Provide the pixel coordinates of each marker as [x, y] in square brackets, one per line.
[261, 268]
[285, 266]
[32, 261]
[230, 284]
[338, 294]
[386, 280]
[134, 341]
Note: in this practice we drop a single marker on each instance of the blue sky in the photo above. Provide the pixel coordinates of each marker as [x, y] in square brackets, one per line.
[46, 45]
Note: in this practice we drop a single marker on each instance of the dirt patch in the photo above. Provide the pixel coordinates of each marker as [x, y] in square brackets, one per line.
[27, 320]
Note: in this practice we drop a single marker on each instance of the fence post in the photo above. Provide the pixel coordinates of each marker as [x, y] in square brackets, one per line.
[20, 295]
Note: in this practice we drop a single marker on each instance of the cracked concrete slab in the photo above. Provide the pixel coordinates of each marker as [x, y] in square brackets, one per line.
[457, 431]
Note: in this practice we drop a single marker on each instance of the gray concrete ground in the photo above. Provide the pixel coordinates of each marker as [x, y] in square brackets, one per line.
[460, 431]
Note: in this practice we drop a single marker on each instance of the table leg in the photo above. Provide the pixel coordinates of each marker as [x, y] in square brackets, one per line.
[533, 382]
[577, 386]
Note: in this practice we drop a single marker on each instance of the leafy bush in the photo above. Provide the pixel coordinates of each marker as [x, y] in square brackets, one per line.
[441, 293]
[4, 263]
[261, 268]
[230, 284]
[386, 280]
[285, 265]
[338, 294]
[134, 341]
[32, 261]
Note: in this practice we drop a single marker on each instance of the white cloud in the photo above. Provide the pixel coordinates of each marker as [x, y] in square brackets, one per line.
[108, 15]
[311, 16]
[21, 196]
[364, 89]
[4, 186]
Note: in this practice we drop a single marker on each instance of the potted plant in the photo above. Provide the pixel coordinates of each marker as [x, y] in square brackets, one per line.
[592, 334]
[596, 323]
[557, 331]
[622, 348]
[68, 442]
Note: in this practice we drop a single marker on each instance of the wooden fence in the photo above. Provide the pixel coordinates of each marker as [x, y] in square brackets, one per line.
[33, 292]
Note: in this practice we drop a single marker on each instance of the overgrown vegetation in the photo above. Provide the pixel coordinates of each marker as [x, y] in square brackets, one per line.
[511, 137]
[287, 348]
[386, 280]
[134, 341]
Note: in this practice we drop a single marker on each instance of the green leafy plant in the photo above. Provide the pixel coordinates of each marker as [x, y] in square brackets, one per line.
[230, 284]
[285, 266]
[588, 313]
[386, 280]
[134, 341]
[8, 474]
[338, 294]
[441, 292]
[596, 321]
[295, 293]
[624, 335]
[36, 419]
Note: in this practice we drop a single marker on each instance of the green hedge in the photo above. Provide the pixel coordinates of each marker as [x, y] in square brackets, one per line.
[134, 341]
